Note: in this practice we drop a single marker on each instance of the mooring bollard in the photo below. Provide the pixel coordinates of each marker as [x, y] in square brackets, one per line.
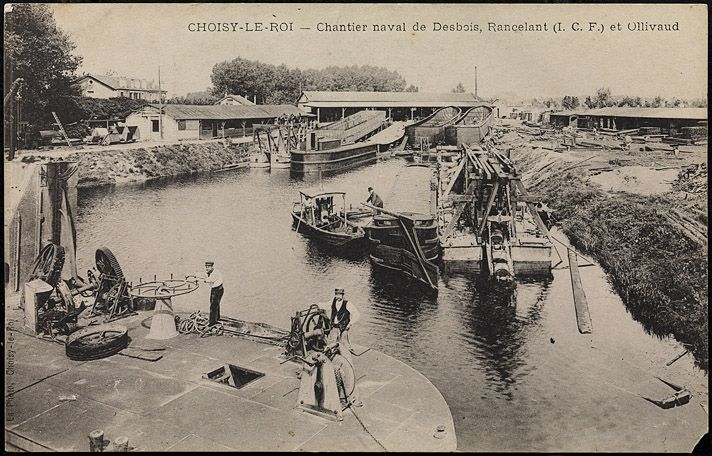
[96, 441]
[121, 444]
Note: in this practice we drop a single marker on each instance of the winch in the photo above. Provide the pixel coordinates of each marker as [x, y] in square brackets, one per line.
[328, 380]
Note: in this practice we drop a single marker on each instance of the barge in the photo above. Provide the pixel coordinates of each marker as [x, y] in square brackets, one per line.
[404, 238]
[431, 130]
[488, 221]
[471, 127]
[339, 146]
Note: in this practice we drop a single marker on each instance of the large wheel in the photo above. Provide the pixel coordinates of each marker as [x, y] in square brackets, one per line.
[48, 264]
[96, 342]
[345, 376]
[106, 262]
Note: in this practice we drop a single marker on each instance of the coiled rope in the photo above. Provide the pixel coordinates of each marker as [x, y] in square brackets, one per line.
[198, 323]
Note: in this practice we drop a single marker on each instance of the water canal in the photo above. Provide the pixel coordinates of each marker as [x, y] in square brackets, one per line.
[514, 370]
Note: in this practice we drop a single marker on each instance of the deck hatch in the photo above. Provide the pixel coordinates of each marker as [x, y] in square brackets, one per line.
[233, 376]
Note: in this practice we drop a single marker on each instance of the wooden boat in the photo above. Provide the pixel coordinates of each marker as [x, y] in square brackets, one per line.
[431, 130]
[405, 242]
[323, 217]
[339, 146]
[404, 238]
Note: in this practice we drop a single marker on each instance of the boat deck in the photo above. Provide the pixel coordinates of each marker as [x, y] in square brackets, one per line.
[166, 405]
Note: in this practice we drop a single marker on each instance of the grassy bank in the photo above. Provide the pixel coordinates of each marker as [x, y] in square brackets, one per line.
[117, 166]
[110, 166]
[660, 273]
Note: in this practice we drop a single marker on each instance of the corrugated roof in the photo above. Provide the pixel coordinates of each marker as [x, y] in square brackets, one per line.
[650, 113]
[386, 99]
[227, 112]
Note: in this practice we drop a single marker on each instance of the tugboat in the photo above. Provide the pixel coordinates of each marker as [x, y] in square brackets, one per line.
[324, 217]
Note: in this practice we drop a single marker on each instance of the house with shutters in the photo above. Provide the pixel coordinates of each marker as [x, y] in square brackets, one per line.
[104, 86]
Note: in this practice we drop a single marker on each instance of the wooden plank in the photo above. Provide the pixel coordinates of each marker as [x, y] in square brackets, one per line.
[140, 354]
[583, 318]
[461, 198]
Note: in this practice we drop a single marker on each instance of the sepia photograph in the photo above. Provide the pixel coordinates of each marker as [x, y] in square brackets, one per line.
[340, 227]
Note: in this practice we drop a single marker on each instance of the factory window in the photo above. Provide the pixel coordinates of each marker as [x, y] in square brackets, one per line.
[154, 126]
[181, 125]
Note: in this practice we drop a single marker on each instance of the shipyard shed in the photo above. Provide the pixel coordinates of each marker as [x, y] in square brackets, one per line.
[333, 106]
[204, 122]
[672, 121]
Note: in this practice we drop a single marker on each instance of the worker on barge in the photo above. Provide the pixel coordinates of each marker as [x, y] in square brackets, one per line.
[343, 315]
[373, 198]
[215, 279]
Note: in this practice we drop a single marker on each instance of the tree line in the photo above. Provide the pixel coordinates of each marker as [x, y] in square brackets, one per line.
[277, 84]
[603, 99]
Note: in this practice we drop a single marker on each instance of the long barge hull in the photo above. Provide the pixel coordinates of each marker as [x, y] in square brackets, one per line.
[334, 160]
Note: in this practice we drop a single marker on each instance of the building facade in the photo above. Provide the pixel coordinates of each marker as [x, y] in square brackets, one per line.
[102, 86]
[187, 122]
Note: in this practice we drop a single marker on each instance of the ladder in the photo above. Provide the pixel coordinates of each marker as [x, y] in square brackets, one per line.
[61, 128]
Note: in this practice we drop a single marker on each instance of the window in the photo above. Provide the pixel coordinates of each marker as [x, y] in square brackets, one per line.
[181, 125]
[154, 126]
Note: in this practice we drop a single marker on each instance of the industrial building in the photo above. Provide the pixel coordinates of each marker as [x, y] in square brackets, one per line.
[204, 122]
[669, 120]
[333, 106]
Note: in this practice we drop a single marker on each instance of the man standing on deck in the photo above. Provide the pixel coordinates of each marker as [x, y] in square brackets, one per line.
[374, 199]
[343, 315]
[215, 279]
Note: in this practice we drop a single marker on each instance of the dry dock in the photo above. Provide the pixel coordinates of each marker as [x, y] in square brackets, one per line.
[53, 403]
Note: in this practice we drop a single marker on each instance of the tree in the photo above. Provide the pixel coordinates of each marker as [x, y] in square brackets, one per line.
[459, 88]
[630, 101]
[570, 102]
[411, 88]
[42, 54]
[657, 102]
[280, 84]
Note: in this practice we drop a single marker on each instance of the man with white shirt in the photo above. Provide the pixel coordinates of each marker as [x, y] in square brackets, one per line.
[215, 279]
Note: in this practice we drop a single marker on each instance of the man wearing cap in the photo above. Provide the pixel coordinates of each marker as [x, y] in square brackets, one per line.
[215, 279]
[343, 315]
[373, 198]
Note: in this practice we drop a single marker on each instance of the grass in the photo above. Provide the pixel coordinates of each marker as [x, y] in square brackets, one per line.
[660, 274]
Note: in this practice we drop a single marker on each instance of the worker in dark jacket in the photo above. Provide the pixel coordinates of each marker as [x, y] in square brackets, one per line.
[343, 315]
[373, 198]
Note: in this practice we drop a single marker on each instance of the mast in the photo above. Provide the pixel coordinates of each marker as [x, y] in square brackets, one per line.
[160, 104]
[475, 81]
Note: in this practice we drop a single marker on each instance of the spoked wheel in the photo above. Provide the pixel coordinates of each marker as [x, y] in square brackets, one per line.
[107, 263]
[345, 376]
[48, 264]
[96, 342]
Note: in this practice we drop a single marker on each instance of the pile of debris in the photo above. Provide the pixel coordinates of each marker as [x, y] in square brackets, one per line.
[692, 179]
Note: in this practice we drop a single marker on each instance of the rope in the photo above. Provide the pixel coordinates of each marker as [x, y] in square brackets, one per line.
[366, 429]
[198, 323]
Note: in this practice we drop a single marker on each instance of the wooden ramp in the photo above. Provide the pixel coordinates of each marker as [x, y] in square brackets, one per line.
[583, 318]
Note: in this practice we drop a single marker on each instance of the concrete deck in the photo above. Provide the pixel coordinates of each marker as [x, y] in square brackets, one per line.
[166, 406]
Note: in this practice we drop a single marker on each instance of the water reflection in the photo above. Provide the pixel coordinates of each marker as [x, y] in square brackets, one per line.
[500, 323]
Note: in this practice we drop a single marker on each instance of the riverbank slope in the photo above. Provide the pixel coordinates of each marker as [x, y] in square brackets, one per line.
[643, 216]
[112, 165]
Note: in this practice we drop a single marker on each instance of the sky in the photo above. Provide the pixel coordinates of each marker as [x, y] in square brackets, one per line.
[134, 40]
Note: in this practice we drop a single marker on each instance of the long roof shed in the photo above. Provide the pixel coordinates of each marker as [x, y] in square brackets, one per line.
[331, 106]
[204, 121]
[670, 119]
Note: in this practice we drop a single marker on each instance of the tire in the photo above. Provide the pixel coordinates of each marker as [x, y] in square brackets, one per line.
[88, 343]
[107, 263]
